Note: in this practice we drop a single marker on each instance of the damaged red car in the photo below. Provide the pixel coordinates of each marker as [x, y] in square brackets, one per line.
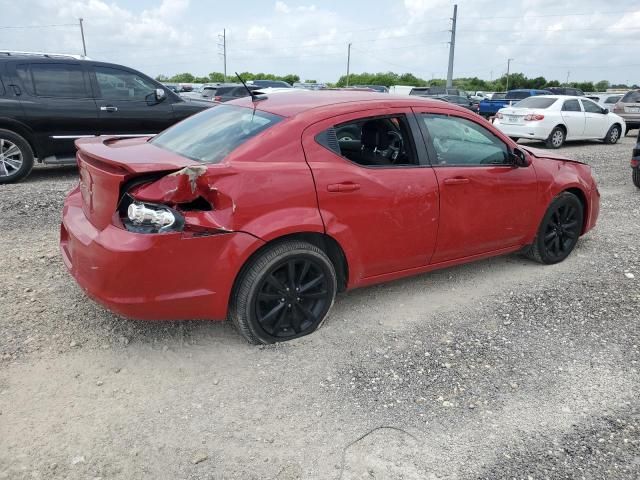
[262, 209]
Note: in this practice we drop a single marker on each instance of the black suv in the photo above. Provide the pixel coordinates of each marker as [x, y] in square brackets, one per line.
[574, 92]
[48, 101]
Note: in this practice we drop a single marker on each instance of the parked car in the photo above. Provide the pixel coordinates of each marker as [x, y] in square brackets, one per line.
[575, 92]
[635, 163]
[47, 102]
[556, 118]
[431, 91]
[629, 108]
[377, 88]
[257, 211]
[465, 102]
[478, 95]
[400, 89]
[489, 108]
[172, 87]
[607, 100]
[227, 93]
[269, 83]
[309, 86]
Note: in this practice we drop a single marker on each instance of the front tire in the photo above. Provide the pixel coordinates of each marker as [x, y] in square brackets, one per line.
[285, 292]
[16, 157]
[556, 138]
[613, 135]
[559, 230]
[635, 175]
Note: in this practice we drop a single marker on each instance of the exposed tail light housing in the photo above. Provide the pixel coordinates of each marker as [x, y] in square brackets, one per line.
[533, 117]
[143, 217]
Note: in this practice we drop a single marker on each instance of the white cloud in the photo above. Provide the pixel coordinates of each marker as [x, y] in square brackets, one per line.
[282, 7]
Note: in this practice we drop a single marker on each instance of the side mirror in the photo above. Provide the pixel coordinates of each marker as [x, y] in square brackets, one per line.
[160, 94]
[605, 111]
[518, 158]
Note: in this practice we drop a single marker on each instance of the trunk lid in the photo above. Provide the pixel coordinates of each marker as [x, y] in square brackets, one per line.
[106, 163]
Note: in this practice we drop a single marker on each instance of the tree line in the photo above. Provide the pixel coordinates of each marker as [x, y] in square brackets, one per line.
[516, 80]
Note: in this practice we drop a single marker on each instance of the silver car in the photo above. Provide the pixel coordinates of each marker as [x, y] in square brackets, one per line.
[629, 108]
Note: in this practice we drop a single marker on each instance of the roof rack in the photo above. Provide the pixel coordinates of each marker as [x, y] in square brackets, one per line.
[11, 53]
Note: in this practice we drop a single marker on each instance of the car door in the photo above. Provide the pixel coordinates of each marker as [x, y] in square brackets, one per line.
[486, 203]
[58, 103]
[596, 122]
[384, 212]
[573, 118]
[127, 105]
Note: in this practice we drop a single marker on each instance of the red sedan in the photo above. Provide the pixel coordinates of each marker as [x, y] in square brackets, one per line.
[260, 210]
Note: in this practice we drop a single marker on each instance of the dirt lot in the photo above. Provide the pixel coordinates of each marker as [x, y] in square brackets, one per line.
[499, 369]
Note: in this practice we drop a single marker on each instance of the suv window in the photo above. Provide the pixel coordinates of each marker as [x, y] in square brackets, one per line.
[118, 84]
[571, 106]
[591, 107]
[458, 141]
[211, 135]
[631, 97]
[2, 91]
[373, 141]
[54, 80]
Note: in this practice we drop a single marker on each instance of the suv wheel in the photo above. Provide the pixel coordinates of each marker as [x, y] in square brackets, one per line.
[636, 176]
[16, 157]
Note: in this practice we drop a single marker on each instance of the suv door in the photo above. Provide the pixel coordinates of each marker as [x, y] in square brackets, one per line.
[384, 212]
[573, 117]
[59, 105]
[486, 203]
[126, 103]
[596, 123]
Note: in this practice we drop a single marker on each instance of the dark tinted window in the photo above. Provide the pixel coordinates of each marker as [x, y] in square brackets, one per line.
[517, 95]
[458, 141]
[536, 102]
[213, 134]
[613, 99]
[118, 84]
[372, 142]
[2, 91]
[591, 107]
[571, 106]
[58, 80]
[632, 97]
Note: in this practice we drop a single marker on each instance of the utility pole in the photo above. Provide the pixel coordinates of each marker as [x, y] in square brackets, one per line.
[84, 46]
[491, 76]
[568, 73]
[223, 39]
[509, 60]
[348, 61]
[452, 46]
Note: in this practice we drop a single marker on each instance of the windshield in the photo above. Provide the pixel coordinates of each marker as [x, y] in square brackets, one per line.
[536, 102]
[211, 135]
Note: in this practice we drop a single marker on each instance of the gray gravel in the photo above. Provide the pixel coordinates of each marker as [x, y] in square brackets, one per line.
[502, 369]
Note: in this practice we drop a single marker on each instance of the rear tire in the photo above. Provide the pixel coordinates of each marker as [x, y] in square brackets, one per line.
[556, 138]
[559, 230]
[635, 175]
[16, 157]
[613, 135]
[285, 292]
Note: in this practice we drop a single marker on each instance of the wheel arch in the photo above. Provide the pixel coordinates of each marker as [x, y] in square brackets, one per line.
[578, 192]
[325, 242]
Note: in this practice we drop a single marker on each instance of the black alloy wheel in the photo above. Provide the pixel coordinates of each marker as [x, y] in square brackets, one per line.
[635, 176]
[559, 230]
[284, 293]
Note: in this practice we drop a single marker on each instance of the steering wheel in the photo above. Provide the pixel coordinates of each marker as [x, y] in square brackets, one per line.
[396, 147]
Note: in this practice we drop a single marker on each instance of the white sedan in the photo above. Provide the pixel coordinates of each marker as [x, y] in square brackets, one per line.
[556, 118]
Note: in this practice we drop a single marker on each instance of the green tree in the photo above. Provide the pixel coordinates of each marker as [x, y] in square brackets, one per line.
[602, 85]
[182, 78]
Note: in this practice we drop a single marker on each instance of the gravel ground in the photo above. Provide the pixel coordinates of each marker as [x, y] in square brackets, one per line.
[497, 369]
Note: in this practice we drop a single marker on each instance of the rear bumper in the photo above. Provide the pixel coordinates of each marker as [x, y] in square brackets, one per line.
[152, 277]
[532, 130]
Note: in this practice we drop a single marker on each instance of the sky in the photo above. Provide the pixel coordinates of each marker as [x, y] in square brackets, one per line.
[583, 40]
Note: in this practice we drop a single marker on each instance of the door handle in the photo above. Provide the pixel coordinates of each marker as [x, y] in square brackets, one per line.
[343, 187]
[456, 181]
[16, 90]
[109, 108]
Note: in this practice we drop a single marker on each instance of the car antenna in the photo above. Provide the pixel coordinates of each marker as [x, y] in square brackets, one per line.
[254, 97]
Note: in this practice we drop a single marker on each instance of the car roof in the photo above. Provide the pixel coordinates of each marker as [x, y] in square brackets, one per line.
[289, 104]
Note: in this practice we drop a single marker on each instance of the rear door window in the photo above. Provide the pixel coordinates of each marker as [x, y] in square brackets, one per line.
[571, 106]
[2, 90]
[56, 80]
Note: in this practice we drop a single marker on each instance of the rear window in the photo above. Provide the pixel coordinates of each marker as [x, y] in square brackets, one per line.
[536, 102]
[631, 97]
[517, 95]
[211, 135]
[613, 99]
